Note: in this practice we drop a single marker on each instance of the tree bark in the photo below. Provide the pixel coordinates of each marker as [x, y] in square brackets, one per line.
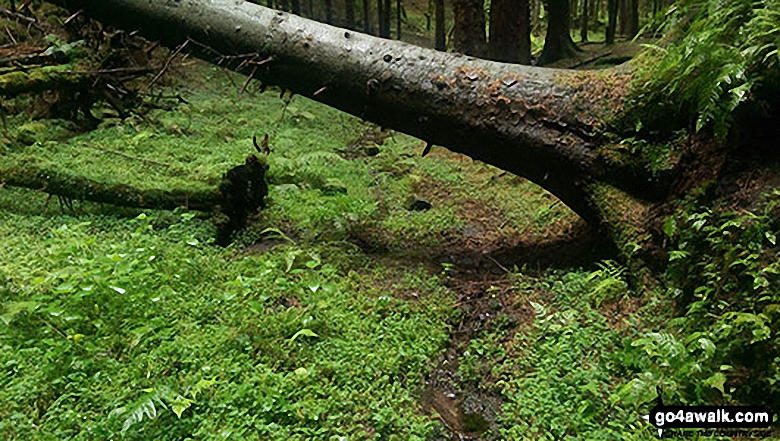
[469, 33]
[557, 42]
[612, 13]
[328, 11]
[440, 27]
[349, 13]
[388, 7]
[399, 7]
[538, 123]
[296, 7]
[380, 18]
[510, 31]
[584, 22]
[367, 17]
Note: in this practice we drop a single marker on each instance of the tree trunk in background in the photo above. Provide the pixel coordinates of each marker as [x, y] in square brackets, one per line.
[380, 14]
[296, 7]
[328, 11]
[349, 13]
[284, 5]
[399, 8]
[367, 16]
[557, 43]
[594, 10]
[633, 26]
[612, 13]
[469, 32]
[440, 26]
[624, 17]
[584, 22]
[510, 32]
[270, 3]
[388, 9]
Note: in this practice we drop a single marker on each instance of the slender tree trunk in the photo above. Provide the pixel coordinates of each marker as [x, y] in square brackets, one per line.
[367, 16]
[469, 32]
[440, 31]
[399, 8]
[388, 12]
[612, 13]
[270, 3]
[380, 14]
[594, 10]
[634, 23]
[624, 15]
[510, 31]
[284, 5]
[329, 11]
[557, 43]
[349, 13]
[584, 22]
[296, 7]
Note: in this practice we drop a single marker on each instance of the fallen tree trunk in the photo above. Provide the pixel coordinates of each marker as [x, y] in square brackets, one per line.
[44, 177]
[538, 123]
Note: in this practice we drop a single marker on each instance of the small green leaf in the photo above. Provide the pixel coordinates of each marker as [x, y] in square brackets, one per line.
[180, 404]
[717, 381]
[303, 332]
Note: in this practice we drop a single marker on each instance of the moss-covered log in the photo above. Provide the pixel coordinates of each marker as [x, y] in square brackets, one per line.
[47, 178]
[61, 77]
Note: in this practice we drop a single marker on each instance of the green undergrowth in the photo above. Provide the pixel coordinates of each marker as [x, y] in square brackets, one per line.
[139, 328]
[558, 370]
[582, 358]
[716, 56]
[117, 323]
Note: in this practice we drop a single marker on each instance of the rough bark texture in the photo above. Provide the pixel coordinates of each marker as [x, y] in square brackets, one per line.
[469, 33]
[557, 41]
[510, 31]
[535, 122]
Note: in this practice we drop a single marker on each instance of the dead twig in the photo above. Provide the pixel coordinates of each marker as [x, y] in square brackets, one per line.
[168, 62]
[248, 79]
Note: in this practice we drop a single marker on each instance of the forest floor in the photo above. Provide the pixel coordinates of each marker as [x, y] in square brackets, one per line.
[379, 295]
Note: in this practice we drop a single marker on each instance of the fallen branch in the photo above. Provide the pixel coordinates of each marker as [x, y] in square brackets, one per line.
[46, 178]
[40, 79]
